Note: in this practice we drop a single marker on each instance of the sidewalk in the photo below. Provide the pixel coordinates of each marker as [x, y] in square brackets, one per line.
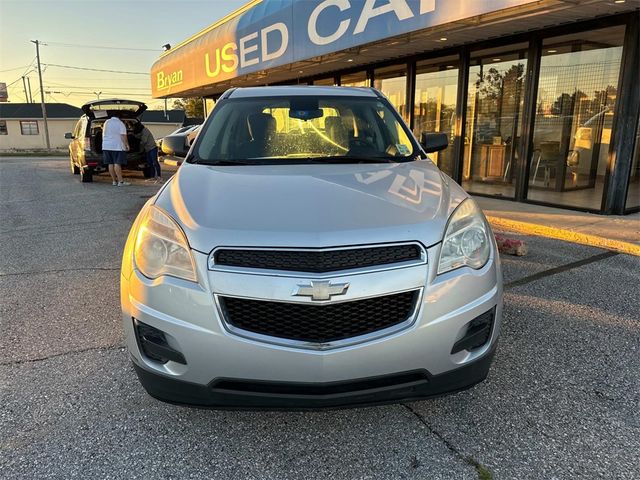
[618, 233]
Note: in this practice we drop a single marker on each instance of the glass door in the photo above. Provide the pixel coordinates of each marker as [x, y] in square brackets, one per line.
[392, 82]
[358, 79]
[494, 115]
[575, 109]
[435, 105]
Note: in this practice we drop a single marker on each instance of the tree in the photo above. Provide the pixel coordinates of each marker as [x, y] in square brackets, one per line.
[192, 106]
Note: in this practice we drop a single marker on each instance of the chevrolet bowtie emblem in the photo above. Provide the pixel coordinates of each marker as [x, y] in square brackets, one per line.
[321, 290]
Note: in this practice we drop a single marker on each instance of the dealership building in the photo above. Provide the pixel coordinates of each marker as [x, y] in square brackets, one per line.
[540, 99]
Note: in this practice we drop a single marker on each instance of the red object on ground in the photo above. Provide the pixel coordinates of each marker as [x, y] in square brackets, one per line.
[510, 246]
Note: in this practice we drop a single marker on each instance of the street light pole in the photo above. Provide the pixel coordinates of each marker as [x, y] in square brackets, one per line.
[42, 104]
[97, 94]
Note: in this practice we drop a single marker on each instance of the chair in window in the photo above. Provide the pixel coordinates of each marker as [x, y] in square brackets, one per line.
[547, 164]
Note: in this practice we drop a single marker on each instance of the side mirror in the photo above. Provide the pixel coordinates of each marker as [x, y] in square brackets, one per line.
[175, 145]
[69, 136]
[434, 142]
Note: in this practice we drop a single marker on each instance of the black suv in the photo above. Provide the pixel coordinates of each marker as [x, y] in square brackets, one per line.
[85, 149]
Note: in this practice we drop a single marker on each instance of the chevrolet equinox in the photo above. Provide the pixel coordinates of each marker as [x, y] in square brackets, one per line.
[309, 254]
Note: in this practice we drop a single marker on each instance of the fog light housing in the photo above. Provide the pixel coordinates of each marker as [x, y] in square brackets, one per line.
[153, 344]
[478, 333]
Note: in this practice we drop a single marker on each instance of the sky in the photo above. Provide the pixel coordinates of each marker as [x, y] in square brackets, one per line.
[117, 35]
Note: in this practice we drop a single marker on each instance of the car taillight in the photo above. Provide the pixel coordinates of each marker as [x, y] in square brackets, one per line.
[87, 144]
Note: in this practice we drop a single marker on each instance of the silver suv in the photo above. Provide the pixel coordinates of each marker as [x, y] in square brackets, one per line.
[309, 254]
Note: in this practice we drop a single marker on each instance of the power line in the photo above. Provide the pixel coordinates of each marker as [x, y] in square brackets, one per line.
[86, 92]
[74, 45]
[56, 84]
[15, 68]
[14, 82]
[95, 69]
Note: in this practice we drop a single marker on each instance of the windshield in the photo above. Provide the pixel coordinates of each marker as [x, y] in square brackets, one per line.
[303, 129]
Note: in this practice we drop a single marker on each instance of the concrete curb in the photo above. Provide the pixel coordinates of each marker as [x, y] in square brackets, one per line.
[566, 235]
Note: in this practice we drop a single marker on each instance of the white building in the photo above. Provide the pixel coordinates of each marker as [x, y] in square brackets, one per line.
[22, 125]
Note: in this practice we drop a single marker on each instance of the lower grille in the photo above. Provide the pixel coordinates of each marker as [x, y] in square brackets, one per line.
[319, 323]
[333, 388]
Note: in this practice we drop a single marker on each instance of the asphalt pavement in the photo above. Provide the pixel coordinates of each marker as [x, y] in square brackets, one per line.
[561, 400]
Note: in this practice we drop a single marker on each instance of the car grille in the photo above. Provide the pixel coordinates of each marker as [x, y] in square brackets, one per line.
[319, 261]
[319, 323]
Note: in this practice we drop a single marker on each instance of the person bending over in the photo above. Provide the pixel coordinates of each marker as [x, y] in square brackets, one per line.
[115, 146]
[148, 143]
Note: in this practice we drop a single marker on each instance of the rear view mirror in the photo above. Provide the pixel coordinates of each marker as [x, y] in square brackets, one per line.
[175, 145]
[69, 136]
[305, 109]
[305, 114]
[434, 142]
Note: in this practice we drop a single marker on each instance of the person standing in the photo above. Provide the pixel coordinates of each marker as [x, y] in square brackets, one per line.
[115, 146]
[148, 144]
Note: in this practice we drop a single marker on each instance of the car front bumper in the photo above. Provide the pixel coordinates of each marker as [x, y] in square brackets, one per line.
[227, 370]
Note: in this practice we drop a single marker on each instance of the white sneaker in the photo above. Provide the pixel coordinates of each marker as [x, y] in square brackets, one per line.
[123, 184]
[115, 184]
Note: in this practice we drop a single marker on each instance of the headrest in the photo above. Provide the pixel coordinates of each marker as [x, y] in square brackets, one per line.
[261, 125]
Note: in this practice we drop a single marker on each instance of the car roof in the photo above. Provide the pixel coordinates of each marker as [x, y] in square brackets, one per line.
[302, 90]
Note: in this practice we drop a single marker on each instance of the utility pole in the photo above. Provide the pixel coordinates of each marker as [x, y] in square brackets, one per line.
[29, 87]
[42, 104]
[24, 84]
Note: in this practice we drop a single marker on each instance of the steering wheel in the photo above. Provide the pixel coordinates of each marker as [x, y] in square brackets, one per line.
[358, 142]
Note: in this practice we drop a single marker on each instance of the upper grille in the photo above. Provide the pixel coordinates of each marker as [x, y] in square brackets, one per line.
[320, 261]
[318, 323]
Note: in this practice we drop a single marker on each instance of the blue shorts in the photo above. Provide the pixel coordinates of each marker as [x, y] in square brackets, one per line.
[114, 157]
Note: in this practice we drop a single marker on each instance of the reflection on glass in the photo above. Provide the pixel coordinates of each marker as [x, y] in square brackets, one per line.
[494, 110]
[392, 82]
[358, 79]
[435, 106]
[329, 82]
[574, 114]
[633, 194]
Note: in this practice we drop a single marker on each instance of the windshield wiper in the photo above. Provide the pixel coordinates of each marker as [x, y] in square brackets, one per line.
[227, 163]
[342, 159]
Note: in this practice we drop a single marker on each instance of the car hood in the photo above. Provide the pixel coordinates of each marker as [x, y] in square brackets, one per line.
[310, 206]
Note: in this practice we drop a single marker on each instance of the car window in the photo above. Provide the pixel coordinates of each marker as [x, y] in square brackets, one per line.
[307, 128]
[77, 131]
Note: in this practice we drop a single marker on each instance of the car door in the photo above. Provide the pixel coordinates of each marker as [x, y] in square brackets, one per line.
[73, 145]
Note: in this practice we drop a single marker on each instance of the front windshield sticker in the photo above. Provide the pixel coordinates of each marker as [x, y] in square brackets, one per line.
[403, 149]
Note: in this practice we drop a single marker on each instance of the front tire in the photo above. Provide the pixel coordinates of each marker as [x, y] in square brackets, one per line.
[86, 175]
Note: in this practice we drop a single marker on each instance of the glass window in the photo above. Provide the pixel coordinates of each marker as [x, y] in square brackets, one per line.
[358, 79]
[305, 129]
[633, 194]
[3, 127]
[328, 82]
[28, 127]
[575, 108]
[494, 114]
[77, 132]
[392, 82]
[435, 105]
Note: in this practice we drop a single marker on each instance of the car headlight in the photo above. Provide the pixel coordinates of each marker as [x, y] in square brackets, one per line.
[161, 247]
[466, 239]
